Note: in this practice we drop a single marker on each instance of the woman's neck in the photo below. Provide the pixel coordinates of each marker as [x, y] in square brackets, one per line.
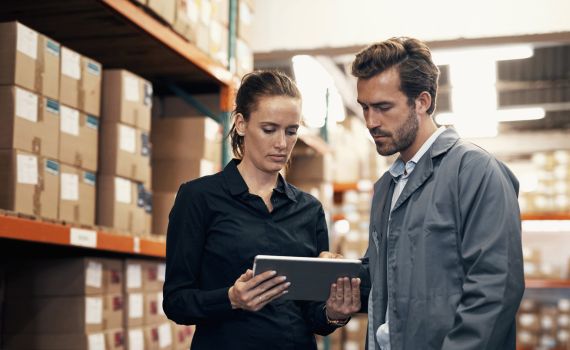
[255, 178]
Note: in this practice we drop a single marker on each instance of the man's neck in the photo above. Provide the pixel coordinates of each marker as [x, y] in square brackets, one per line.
[425, 131]
[255, 178]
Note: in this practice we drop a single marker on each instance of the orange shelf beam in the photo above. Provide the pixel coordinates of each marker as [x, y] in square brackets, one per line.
[538, 284]
[545, 216]
[341, 187]
[138, 18]
[43, 232]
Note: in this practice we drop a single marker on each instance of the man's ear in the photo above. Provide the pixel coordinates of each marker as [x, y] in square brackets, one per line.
[423, 102]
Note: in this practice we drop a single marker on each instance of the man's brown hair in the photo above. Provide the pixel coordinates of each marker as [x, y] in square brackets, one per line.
[410, 57]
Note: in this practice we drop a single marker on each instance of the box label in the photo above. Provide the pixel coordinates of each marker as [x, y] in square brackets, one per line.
[134, 276]
[244, 14]
[93, 68]
[145, 150]
[93, 310]
[127, 139]
[192, 10]
[162, 272]
[52, 167]
[122, 190]
[147, 94]
[136, 339]
[164, 335]
[211, 129]
[84, 238]
[27, 169]
[70, 63]
[89, 178]
[119, 339]
[69, 121]
[140, 195]
[159, 299]
[69, 187]
[92, 122]
[148, 202]
[96, 341]
[27, 41]
[52, 47]
[206, 167]
[131, 85]
[136, 305]
[52, 106]
[206, 12]
[136, 244]
[26, 105]
[94, 274]
[216, 33]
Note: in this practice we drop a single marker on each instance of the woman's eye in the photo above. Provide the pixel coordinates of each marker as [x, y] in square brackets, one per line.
[268, 131]
[291, 133]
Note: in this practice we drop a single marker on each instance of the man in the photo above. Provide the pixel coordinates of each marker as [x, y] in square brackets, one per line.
[445, 256]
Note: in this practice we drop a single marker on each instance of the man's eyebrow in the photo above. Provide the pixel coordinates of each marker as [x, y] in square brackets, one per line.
[380, 103]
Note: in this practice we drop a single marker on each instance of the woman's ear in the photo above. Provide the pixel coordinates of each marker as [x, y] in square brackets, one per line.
[240, 124]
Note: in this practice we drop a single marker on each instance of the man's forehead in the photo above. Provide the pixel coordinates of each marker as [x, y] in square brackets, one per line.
[386, 83]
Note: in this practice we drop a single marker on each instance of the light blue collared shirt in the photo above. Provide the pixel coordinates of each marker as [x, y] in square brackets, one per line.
[400, 172]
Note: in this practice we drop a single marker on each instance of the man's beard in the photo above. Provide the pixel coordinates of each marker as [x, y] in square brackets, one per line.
[405, 135]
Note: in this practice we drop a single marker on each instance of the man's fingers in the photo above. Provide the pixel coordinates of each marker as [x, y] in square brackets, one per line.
[347, 291]
[355, 291]
[339, 289]
[333, 292]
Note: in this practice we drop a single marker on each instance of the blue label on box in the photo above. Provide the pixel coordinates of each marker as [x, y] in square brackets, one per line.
[92, 122]
[52, 47]
[145, 151]
[148, 94]
[89, 178]
[52, 167]
[52, 106]
[93, 68]
[141, 191]
[148, 202]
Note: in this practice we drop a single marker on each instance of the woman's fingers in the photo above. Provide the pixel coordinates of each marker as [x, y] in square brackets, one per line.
[255, 281]
[267, 285]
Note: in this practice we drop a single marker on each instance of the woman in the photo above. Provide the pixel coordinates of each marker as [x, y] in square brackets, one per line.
[219, 224]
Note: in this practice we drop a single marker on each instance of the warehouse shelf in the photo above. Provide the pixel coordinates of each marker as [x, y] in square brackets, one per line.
[342, 187]
[54, 233]
[545, 216]
[547, 284]
[120, 34]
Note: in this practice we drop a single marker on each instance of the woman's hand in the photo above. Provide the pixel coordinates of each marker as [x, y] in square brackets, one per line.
[329, 255]
[344, 300]
[253, 293]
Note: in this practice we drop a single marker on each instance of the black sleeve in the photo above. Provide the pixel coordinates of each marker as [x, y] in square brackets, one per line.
[365, 283]
[313, 311]
[184, 302]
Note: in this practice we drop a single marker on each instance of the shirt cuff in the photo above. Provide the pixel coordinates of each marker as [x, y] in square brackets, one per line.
[217, 303]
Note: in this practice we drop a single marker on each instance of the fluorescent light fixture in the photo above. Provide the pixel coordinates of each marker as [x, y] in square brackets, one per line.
[501, 115]
[489, 53]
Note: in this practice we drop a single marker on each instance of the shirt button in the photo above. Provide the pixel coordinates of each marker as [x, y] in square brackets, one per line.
[275, 201]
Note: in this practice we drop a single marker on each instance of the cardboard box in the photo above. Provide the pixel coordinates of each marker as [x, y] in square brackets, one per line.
[162, 204]
[179, 138]
[527, 339]
[127, 98]
[30, 184]
[528, 321]
[564, 306]
[169, 174]
[323, 191]
[154, 314]
[221, 12]
[112, 275]
[219, 42]
[79, 138]
[113, 311]
[114, 339]
[121, 204]
[73, 341]
[187, 17]
[155, 273]
[563, 321]
[182, 336]
[244, 58]
[70, 314]
[29, 59]
[531, 270]
[77, 195]
[134, 310]
[563, 338]
[80, 82]
[203, 29]
[163, 8]
[530, 254]
[529, 305]
[56, 277]
[548, 316]
[29, 122]
[159, 336]
[135, 338]
[245, 22]
[316, 168]
[125, 152]
[134, 272]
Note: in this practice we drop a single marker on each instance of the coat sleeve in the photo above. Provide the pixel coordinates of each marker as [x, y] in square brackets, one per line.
[313, 311]
[491, 253]
[365, 282]
[184, 302]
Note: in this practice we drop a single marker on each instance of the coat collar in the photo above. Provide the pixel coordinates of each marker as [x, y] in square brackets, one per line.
[444, 142]
[238, 186]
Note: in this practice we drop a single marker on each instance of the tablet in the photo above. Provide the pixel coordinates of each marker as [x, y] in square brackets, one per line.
[310, 278]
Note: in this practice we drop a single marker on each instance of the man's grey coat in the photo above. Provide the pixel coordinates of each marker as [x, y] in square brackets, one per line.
[455, 275]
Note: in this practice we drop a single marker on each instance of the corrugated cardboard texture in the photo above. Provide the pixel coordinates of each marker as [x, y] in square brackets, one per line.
[40, 75]
[53, 277]
[113, 275]
[40, 137]
[169, 174]
[80, 151]
[39, 200]
[115, 339]
[115, 105]
[81, 211]
[152, 307]
[113, 310]
[84, 93]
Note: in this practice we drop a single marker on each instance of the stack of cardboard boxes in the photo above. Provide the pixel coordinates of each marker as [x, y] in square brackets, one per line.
[244, 42]
[186, 148]
[355, 209]
[89, 304]
[536, 268]
[124, 194]
[543, 326]
[50, 97]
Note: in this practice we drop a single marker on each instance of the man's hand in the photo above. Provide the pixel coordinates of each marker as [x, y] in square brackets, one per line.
[344, 300]
[253, 293]
[329, 255]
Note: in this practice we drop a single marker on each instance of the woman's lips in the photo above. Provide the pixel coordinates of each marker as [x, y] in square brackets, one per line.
[277, 157]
